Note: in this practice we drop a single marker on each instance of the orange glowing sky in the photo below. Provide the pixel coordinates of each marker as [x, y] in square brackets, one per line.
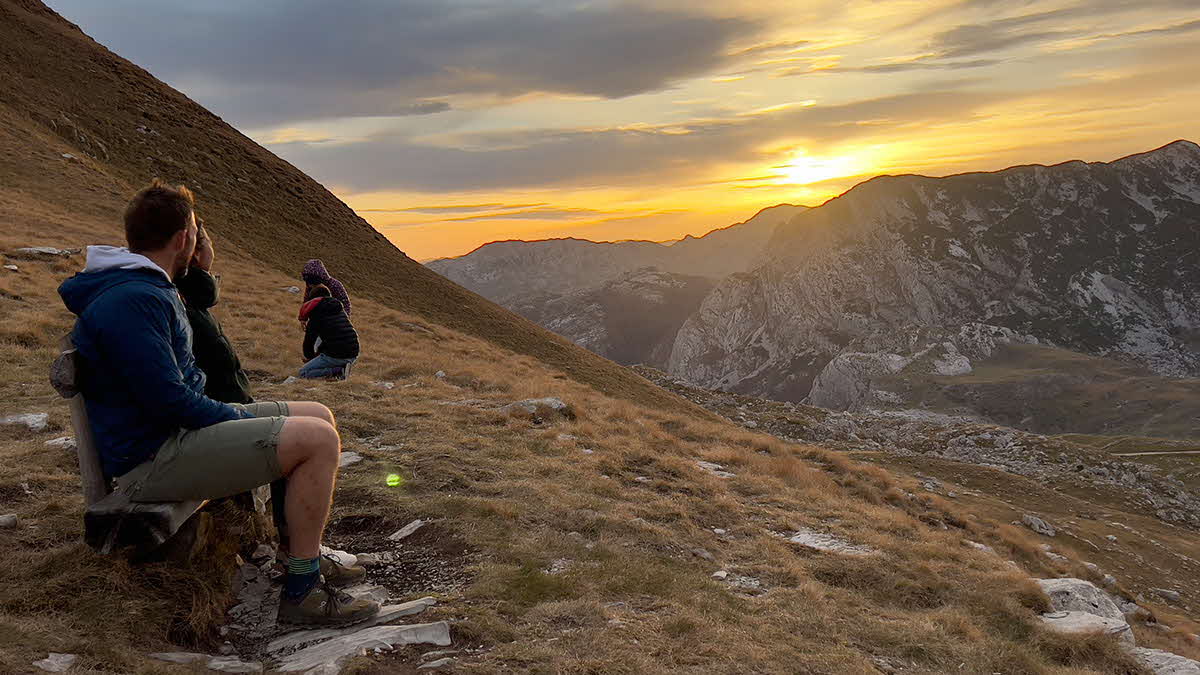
[450, 123]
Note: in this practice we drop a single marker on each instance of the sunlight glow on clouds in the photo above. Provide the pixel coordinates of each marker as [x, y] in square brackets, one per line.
[449, 123]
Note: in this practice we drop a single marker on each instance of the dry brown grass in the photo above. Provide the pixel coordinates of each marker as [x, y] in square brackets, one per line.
[631, 595]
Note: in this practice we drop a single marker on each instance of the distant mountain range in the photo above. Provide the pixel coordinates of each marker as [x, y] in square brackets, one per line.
[623, 300]
[899, 273]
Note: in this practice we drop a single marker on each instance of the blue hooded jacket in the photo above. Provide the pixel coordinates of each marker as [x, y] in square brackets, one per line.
[139, 379]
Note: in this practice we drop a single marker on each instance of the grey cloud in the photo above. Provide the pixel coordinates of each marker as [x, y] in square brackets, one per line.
[584, 158]
[274, 60]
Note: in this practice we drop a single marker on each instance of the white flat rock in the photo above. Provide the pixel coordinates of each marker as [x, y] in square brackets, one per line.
[1074, 623]
[1166, 663]
[827, 543]
[335, 652]
[386, 613]
[232, 664]
[715, 469]
[407, 530]
[1077, 595]
[56, 663]
[348, 458]
[35, 421]
[63, 442]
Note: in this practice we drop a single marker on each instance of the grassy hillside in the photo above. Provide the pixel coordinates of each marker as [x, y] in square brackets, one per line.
[63, 89]
[561, 545]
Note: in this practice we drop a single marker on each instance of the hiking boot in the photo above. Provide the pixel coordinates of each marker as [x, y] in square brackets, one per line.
[338, 575]
[324, 605]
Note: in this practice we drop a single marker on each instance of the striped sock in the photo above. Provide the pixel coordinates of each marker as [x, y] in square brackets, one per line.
[302, 575]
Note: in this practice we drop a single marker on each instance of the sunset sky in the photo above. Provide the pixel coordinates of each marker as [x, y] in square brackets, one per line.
[450, 123]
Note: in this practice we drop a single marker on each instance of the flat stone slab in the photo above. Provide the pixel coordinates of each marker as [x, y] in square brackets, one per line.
[407, 530]
[386, 613]
[1038, 525]
[62, 442]
[1077, 595]
[1075, 623]
[349, 457]
[35, 421]
[332, 654]
[56, 663]
[1166, 663]
[232, 664]
[827, 543]
[715, 469]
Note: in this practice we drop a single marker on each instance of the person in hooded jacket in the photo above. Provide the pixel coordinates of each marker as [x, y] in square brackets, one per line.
[315, 274]
[330, 341]
[226, 381]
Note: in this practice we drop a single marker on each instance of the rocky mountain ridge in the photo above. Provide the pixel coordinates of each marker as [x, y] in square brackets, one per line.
[1089, 257]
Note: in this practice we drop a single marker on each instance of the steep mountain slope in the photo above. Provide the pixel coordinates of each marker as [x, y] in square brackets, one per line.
[1098, 258]
[123, 126]
[511, 272]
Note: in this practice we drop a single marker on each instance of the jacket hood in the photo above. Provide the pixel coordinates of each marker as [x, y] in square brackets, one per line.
[100, 258]
[315, 269]
[108, 266]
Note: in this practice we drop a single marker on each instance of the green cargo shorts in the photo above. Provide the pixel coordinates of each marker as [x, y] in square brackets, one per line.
[217, 461]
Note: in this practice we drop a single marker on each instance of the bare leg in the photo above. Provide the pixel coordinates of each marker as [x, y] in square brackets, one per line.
[308, 454]
[311, 409]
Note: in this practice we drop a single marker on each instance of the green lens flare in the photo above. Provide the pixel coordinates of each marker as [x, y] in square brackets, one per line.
[394, 479]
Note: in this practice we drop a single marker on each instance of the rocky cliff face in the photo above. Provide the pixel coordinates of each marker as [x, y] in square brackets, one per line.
[1099, 258]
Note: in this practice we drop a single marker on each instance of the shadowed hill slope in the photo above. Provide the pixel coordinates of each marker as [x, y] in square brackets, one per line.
[128, 126]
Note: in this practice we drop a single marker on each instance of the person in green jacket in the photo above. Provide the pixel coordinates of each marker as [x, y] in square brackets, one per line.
[226, 381]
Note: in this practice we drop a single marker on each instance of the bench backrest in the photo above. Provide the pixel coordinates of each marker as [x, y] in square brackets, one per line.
[64, 378]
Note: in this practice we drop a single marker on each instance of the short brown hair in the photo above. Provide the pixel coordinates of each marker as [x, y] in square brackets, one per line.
[155, 214]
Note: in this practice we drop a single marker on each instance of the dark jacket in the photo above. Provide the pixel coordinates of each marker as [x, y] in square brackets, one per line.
[214, 354]
[327, 322]
[138, 376]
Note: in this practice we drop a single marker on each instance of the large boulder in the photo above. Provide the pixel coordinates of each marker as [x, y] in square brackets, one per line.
[1166, 663]
[1077, 595]
[1076, 623]
[845, 382]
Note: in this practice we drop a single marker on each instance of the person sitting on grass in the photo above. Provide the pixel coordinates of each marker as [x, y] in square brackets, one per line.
[330, 341]
[156, 432]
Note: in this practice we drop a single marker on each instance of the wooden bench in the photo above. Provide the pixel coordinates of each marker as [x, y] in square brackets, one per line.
[110, 519]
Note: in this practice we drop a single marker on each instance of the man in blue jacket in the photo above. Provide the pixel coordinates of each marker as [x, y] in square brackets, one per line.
[156, 432]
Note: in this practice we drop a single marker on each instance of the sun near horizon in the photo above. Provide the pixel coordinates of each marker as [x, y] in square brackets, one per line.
[611, 121]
